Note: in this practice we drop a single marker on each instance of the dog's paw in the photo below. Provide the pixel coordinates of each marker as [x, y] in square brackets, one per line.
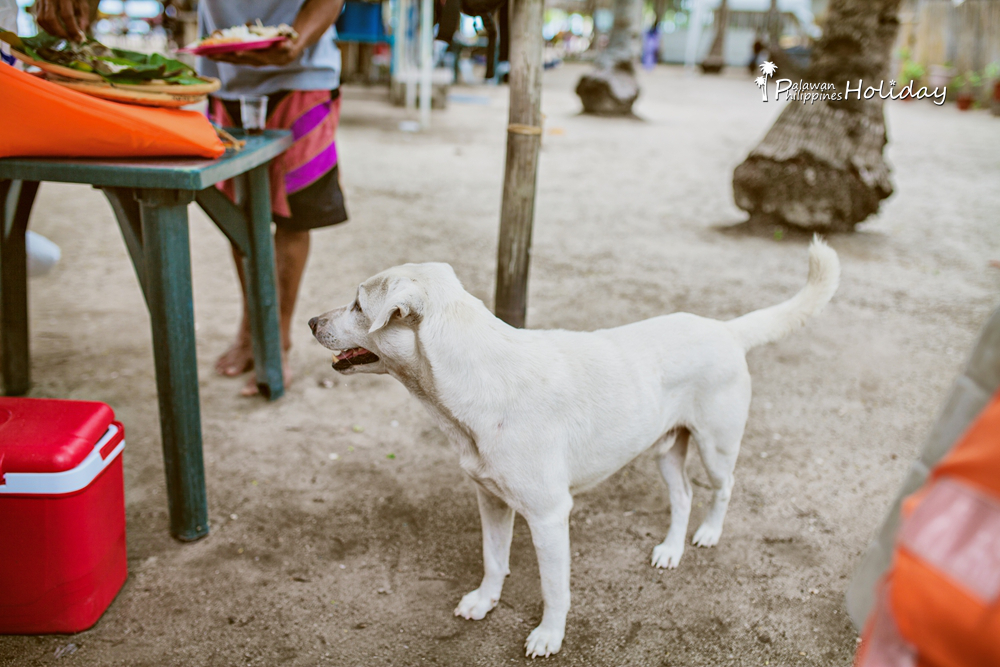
[543, 642]
[667, 555]
[475, 605]
[706, 536]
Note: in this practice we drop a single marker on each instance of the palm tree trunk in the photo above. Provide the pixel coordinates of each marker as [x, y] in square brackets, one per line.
[773, 26]
[591, 10]
[821, 165]
[611, 88]
[715, 60]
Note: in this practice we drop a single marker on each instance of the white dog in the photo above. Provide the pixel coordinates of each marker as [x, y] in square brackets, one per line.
[537, 416]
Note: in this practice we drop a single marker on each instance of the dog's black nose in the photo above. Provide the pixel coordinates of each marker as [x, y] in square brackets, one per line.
[312, 324]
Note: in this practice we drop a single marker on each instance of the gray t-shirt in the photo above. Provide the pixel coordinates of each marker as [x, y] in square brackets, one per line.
[317, 69]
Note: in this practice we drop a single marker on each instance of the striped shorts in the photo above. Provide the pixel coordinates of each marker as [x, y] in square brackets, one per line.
[305, 183]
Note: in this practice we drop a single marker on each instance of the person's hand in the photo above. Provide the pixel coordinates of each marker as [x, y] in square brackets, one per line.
[63, 18]
[282, 53]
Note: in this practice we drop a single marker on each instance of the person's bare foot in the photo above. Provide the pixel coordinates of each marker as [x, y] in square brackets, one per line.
[250, 388]
[237, 360]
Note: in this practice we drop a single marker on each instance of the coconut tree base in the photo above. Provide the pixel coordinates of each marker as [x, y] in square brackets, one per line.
[818, 168]
[609, 91]
[712, 65]
[714, 62]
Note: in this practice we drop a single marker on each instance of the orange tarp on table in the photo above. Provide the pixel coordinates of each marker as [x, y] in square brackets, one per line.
[42, 119]
[939, 604]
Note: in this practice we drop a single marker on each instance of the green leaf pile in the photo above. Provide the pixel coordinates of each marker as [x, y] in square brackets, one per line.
[113, 65]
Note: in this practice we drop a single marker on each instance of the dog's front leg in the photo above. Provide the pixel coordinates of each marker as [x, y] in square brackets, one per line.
[550, 533]
[498, 528]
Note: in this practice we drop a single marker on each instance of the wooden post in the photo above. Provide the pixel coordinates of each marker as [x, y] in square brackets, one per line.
[524, 137]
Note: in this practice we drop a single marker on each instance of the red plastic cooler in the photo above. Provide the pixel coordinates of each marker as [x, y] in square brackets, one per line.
[62, 514]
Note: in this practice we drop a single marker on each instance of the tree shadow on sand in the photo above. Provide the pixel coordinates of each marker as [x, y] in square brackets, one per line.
[763, 227]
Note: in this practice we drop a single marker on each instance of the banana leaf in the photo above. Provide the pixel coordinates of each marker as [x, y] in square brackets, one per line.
[113, 65]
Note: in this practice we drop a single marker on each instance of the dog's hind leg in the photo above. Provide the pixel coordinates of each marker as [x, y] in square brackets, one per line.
[550, 533]
[719, 445]
[498, 528]
[672, 452]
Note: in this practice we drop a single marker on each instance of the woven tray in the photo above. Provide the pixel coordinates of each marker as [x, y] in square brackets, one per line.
[171, 89]
[119, 94]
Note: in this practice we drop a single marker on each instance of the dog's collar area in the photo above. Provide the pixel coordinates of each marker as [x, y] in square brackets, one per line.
[356, 356]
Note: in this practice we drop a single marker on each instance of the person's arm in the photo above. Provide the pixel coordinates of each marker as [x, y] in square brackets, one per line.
[314, 19]
[63, 18]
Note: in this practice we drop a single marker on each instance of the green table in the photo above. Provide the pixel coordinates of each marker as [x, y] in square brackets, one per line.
[150, 198]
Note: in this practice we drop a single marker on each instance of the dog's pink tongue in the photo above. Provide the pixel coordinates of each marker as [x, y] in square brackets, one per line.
[353, 357]
[353, 352]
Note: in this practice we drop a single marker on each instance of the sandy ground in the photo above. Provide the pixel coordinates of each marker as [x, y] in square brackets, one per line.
[360, 560]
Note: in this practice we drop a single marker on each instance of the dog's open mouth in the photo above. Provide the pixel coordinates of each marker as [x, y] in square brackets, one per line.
[356, 356]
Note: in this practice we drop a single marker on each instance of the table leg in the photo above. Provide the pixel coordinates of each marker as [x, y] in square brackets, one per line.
[167, 259]
[126, 208]
[262, 301]
[16, 198]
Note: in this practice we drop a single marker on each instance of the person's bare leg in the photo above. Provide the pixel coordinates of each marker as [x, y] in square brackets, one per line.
[291, 250]
[238, 359]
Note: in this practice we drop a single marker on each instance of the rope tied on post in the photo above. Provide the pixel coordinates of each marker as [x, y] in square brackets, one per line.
[516, 128]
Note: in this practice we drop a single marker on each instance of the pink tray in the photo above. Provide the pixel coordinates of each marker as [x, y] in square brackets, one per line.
[255, 45]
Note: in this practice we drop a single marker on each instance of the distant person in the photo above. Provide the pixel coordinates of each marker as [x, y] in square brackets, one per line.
[651, 47]
[8, 21]
[758, 49]
[301, 78]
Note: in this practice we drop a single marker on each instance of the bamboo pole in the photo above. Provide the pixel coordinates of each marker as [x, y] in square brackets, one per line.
[524, 137]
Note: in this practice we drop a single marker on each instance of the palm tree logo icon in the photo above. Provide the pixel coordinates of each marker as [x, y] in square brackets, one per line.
[767, 68]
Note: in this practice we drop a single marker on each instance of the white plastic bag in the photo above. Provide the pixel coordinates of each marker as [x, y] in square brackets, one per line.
[42, 253]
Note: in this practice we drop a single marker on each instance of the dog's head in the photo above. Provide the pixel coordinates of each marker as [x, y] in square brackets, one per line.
[379, 329]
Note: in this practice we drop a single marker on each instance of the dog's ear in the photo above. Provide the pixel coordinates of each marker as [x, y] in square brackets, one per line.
[403, 298]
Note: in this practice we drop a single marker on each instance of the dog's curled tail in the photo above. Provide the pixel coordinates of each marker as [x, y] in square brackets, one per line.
[770, 324]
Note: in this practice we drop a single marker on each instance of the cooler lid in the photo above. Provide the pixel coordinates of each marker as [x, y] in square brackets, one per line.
[41, 435]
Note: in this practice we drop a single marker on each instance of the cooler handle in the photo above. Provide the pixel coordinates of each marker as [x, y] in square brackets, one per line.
[67, 481]
[106, 444]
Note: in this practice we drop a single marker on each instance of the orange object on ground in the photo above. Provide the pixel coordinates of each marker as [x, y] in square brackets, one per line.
[43, 119]
[939, 604]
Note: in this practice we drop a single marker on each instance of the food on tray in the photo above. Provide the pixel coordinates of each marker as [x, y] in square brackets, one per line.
[113, 74]
[251, 32]
[116, 66]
